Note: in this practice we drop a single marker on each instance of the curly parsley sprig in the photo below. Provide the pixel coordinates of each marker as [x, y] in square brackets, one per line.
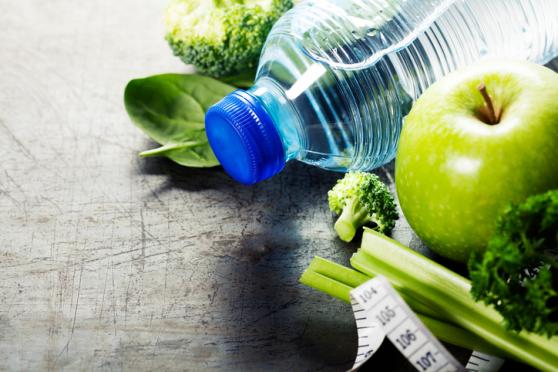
[518, 273]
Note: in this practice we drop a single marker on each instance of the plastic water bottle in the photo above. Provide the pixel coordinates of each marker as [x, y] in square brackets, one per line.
[337, 77]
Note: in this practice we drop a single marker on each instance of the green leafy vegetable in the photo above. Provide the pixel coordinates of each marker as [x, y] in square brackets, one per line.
[518, 273]
[244, 79]
[170, 108]
[362, 199]
[221, 37]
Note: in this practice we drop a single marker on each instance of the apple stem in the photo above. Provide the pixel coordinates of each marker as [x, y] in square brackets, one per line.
[493, 117]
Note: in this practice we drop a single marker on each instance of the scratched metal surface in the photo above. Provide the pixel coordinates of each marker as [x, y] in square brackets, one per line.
[111, 262]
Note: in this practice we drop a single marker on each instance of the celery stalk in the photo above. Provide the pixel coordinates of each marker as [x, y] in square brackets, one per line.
[332, 279]
[340, 273]
[457, 336]
[326, 285]
[353, 279]
[448, 294]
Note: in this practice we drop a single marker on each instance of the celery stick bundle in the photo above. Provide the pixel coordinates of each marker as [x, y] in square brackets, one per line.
[438, 295]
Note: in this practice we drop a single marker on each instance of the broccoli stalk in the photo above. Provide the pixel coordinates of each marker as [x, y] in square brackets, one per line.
[353, 216]
[221, 37]
[518, 273]
[362, 199]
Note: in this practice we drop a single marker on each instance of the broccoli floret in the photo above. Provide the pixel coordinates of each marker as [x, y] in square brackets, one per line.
[221, 37]
[362, 199]
[518, 273]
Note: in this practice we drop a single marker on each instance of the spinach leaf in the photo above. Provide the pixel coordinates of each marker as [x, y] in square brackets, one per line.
[170, 108]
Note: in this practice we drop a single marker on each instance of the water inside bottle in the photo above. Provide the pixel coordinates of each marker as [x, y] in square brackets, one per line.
[350, 70]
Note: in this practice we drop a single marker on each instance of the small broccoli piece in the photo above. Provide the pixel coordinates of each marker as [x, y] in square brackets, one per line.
[221, 37]
[362, 199]
[518, 273]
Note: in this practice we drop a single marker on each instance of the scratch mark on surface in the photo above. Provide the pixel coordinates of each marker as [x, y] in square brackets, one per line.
[21, 206]
[143, 240]
[59, 155]
[16, 184]
[53, 203]
[280, 308]
[113, 143]
[67, 346]
[155, 195]
[126, 299]
[77, 302]
[113, 300]
[212, 296]
[112, 255]
[23, 148]
[157, 254]
[164, 305]
[72, 292]
[103, 295]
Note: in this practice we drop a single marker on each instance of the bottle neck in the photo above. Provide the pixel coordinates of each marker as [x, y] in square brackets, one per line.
[283, 113]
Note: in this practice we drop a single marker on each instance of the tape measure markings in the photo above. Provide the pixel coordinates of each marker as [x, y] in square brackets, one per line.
[398, 322]
[483, 362]
[382, 312]
[370, 336]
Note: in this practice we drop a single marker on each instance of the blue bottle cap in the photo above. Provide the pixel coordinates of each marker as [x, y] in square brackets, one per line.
[244, 138]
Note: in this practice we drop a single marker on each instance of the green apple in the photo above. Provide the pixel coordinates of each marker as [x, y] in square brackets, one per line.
[476, 140]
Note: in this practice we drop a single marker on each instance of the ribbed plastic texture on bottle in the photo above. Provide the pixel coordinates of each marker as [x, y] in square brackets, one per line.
[337, 77]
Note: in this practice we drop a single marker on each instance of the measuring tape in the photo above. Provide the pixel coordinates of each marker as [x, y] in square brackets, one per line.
[483, 362]
[380, 312]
